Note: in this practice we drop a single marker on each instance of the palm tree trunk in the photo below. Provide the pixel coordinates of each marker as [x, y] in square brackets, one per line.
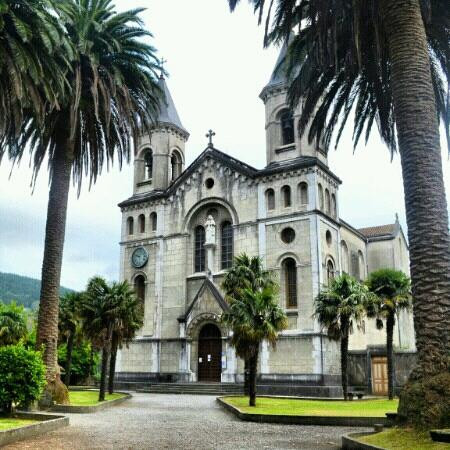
[70, 342]
[426, 206]
[47, 328]
[105, 358]
[112, 363]
[344, 363]
[246, 377]
[253, 366]
[390, 322]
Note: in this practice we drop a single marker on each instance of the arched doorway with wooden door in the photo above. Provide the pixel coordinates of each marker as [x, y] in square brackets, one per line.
[209, 353]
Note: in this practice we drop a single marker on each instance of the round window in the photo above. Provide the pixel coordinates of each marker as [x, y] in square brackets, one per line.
[328, 237]
[209, 183]
[288, 235]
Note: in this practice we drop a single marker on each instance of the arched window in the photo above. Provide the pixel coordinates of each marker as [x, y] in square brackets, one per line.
[290, 280]
[199, 249]
[286, 193]
[139, 288]
[227, 245]
[148, 158]
[330, 271]
[270, 198]
[333, 206]
[287, 127]
[176, 164]
[303, 193]
[154, 220]
[327, 201]
[130, 225]
[320, 189]
[141, 220]
[361, 265]
[344, 257]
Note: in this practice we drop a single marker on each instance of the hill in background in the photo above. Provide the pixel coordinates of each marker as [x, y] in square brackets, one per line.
[22, 290]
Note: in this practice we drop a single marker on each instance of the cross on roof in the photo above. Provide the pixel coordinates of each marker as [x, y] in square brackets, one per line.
[210, 135]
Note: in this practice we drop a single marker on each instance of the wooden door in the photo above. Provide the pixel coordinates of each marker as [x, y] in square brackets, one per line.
[379, 375]
[209, 354]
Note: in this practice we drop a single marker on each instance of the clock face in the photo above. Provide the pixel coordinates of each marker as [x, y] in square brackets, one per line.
[139, 257]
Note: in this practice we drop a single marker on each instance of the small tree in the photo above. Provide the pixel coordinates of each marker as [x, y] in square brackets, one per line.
[22, 377]
[13, 324]
[246, 272]
[128, 319]
[392, 288]
[69, 326]
[337, 308]
[97, 311]
[254, 315]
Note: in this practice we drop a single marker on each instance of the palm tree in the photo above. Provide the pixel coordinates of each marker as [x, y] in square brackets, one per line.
[127, 321]
[337, 308]
[70, 325]
[254, 314]
[13, 324]
[246, 272]
[113, 96]
[98, 310]
[389, 60]
[31, 74]
[392, 288]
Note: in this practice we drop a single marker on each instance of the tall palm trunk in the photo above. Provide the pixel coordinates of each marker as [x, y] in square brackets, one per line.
[426, 206]
[70, 342]
[47, 328]
[253, 367]
[344, 361]
[112, 363]
[105, 358]
[390, 322]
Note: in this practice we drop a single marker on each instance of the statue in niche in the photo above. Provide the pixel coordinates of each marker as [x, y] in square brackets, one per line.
[210, 230]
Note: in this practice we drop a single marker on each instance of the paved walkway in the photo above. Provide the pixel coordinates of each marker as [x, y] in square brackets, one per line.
[159, 421]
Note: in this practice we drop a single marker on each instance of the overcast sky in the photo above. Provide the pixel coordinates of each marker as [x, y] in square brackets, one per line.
[217, 69]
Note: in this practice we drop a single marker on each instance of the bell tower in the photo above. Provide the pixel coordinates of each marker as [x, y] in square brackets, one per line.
[282, 137]
[160, 156]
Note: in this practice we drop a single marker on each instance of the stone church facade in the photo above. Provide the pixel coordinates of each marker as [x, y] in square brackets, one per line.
[182, 227]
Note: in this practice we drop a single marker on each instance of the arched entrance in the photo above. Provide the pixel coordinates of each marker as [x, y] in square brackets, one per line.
[209, 353]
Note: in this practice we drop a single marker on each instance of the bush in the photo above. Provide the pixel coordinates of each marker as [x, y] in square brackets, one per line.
[81, 361]
[22, 377]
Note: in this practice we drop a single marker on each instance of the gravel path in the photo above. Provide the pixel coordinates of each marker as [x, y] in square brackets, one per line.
[159, 421]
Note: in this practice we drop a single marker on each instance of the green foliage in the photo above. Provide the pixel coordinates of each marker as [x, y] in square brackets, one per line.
[393, 291]
[339, 62]
[254, 316]
[254, 313]
[342, 304]
[112, 91]
[13, 324]
[22, 376]
[69, 319]
[425, 403]
[81, 361]
[23, 290]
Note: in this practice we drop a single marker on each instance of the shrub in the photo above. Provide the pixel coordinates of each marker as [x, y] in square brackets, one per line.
[22, 377]
[81, 361]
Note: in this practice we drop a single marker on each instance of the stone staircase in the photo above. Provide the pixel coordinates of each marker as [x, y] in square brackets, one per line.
[192, 388]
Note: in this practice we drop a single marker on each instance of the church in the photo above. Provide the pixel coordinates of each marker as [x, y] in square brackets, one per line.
[183, 225]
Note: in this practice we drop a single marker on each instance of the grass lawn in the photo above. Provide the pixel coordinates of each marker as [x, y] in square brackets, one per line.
[395, 438]
[89, 398]
[6, 423]
[296, 407]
